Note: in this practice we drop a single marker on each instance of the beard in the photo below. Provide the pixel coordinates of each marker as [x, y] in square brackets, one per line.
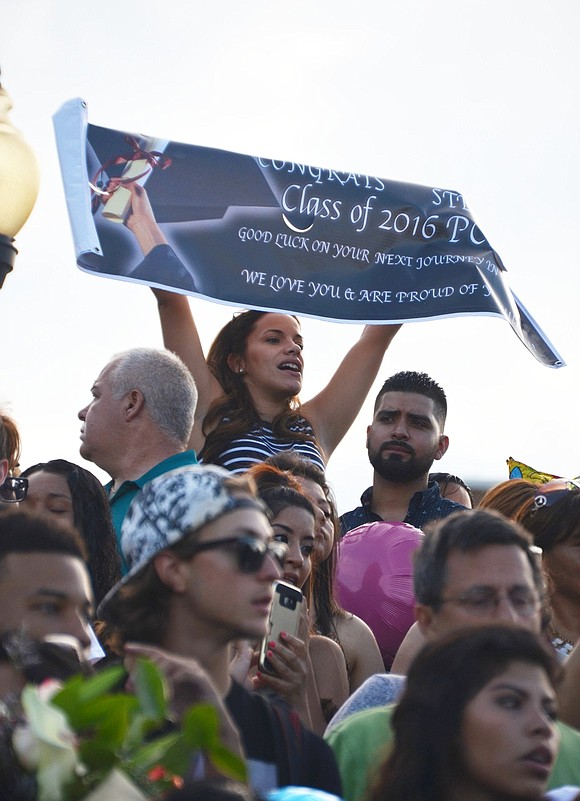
[393, 467]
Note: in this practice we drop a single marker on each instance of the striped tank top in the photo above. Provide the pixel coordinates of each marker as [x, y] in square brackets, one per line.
[261, 442]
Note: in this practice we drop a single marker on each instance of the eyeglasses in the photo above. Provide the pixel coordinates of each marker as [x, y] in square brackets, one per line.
[249, 551]
[13, 490]
[485, 601]
[548, 494]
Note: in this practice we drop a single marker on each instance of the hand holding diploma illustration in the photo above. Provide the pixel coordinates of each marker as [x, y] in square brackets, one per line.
[139, 217]
[145, 155]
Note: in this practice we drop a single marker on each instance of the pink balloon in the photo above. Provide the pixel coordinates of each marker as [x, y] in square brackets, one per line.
[375, 580]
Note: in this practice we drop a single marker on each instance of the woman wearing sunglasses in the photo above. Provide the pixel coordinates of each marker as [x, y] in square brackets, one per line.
[476, 721]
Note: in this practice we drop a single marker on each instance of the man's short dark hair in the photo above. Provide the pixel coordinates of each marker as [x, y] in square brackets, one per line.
[465, 532]
[419, 383]
[23, 532]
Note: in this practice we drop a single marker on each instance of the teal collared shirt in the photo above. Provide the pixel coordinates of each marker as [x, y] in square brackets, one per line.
[121, 500]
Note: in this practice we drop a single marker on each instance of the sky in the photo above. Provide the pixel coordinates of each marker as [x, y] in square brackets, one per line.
[479, 97]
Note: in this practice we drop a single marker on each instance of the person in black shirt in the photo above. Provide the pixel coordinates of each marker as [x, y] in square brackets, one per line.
[201, 565]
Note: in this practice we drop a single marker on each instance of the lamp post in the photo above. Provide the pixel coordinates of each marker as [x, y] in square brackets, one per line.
[18, 185]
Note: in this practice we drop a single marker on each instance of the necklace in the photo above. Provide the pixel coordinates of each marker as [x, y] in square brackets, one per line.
[560, 643]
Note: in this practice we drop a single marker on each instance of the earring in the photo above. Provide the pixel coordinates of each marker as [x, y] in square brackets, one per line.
[241, 371]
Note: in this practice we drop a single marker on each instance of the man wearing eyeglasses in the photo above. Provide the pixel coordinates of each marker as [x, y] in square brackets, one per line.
[474, 568]
[201, 563]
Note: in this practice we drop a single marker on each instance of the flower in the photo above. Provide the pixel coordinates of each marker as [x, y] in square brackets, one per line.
[46, 744]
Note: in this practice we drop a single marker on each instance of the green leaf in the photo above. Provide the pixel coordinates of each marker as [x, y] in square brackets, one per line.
[98, 756]
[178, 757]
[67, 698]
[140, 727]
[105, 718]
[228, 763]
[150, 689]
[79, 689]
[154, 753]
[101, 683]
[200, 726]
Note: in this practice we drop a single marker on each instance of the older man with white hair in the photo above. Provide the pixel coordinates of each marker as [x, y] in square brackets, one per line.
[138, 423]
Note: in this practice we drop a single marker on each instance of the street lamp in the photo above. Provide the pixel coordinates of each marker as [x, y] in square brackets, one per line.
[18, 185]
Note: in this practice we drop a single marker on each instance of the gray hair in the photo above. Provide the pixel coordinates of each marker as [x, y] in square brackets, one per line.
[166, 385]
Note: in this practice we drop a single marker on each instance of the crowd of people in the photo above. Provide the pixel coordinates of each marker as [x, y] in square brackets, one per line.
[217, 491]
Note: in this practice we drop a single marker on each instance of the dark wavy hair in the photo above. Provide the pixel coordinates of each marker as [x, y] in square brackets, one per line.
[427, 722]
[92, 518]
[234, 414]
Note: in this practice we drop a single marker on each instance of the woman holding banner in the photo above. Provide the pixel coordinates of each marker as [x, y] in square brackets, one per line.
[248, 407]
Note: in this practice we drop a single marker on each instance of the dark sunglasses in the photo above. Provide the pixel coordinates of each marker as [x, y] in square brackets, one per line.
[548, 494]
[250, 552]
[13, 490]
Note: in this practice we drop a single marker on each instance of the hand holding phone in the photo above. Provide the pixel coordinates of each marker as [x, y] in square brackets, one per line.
[284, 616]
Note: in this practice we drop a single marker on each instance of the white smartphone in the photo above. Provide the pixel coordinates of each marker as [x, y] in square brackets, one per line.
[284, 616]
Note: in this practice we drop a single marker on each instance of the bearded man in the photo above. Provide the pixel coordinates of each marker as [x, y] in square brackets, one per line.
[404, 439]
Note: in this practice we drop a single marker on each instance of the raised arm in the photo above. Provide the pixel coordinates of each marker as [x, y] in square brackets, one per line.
[180, 335]
[141, 220]
[333, 411]
[178, 327]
